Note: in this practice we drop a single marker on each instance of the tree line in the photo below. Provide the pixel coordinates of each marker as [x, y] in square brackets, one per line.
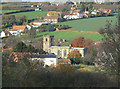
[10, 20]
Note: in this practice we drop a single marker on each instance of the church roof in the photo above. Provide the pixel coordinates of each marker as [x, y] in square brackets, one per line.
[66, 47]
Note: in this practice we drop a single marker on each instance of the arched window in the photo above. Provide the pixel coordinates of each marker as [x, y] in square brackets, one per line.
[46, 39]
[49, 51]
[58, 52]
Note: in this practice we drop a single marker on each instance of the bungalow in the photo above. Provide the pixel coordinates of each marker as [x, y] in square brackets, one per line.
[16, 30]
[52, 19]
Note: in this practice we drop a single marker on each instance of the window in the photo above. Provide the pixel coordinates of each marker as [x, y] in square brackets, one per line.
[56, 20]
[65, 54]
[46, 39]
[49, 51]
[51, 60]
[58, 52]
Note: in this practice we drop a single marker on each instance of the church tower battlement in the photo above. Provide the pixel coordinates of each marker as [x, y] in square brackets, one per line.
[48, 41]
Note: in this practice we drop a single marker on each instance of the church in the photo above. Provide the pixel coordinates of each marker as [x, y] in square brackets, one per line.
[59, 51]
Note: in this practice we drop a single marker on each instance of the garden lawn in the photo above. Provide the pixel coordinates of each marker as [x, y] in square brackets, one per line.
[90, 24]
[71, 35]
[32, 14]
[89, 68]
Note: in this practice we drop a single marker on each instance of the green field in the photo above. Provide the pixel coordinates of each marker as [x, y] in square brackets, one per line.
[90, 24]
[32, 14]
[5, 11]
[16, 4]
[71, 35]
[89, 68]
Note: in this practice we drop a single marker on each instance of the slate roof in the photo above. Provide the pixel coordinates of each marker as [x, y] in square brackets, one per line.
[66, 47]
[43, 56]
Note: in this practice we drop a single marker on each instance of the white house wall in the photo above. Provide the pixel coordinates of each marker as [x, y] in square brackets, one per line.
[2, 34]
[47, 61]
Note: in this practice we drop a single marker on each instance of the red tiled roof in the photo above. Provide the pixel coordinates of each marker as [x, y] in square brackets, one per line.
[40, 21]
[82, 13]
[21, 55]
[8, 49]
[71, 14]
[35, 25]
[19, 27]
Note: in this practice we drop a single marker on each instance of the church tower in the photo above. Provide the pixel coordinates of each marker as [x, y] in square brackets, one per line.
[47, 42]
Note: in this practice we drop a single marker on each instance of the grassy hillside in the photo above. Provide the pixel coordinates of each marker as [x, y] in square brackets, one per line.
[90, 24]
[32, 14]
[5, 11]
[71, 35]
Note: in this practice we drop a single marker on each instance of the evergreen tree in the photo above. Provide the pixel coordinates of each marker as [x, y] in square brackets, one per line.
[50, 28]
[20, 47]
[31, 34]
[83, 7]
[90, 7]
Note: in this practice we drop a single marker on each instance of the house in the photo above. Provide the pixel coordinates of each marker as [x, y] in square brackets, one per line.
[74, 7]
[37, 9]
[47, 59]
[108, 11]
[73, 16]
[17, 56]
[64, 61]
[54, 13]
[86, 12]
[7, 49]
[16, 30]
[52, 19]
[28, 27]
[5, 33]
[94, 13]
[39, 23]
[76, 11]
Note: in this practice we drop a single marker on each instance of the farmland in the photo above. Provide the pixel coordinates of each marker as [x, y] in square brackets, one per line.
[71, 35]
[32, 14]
[90, 24]
[5, 11]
